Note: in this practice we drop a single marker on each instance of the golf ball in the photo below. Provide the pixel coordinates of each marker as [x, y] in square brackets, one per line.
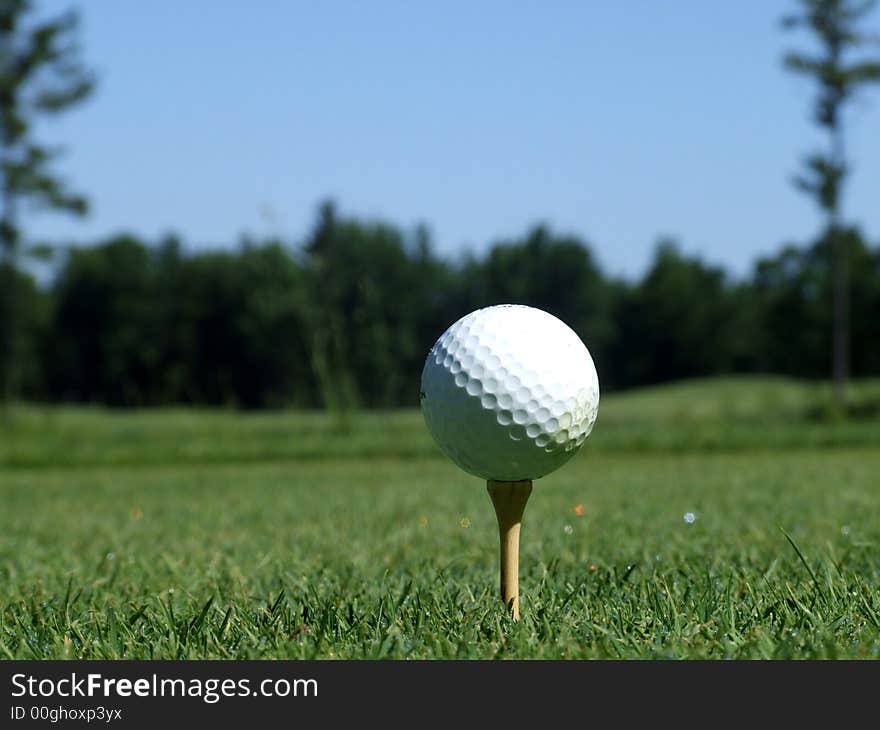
[509, 392]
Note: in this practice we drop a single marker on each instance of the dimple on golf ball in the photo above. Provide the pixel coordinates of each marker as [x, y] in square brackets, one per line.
[509, 392]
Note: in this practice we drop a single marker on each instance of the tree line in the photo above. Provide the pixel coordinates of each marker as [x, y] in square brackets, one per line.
[345, 317]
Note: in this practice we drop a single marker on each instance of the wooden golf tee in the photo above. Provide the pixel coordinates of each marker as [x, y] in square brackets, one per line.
[509, 500]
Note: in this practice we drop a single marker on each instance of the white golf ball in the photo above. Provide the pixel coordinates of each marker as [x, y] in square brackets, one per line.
[509, 392]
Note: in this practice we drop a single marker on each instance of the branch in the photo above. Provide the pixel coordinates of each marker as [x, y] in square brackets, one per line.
[799, 63]
[56, 100]
[28, 178]
[859, 73]
[822, 180]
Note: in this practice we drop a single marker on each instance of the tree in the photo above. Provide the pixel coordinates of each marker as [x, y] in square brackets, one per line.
[237, 328]
[554, 272]
[836, 25]
[40, 74]
[139, 325]
[373, 299]
[790, 291]
[105, 343]
[683, 320]
[33, 306]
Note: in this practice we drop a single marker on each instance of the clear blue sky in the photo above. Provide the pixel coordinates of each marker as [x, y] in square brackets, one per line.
[618, 121]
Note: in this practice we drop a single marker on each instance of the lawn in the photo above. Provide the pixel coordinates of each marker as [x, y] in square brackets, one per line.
[709, 519]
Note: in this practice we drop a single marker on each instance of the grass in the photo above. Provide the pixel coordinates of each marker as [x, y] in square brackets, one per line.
[199, 534]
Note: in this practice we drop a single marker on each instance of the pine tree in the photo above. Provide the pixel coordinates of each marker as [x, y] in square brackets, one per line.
[837, 25]
[40, 75]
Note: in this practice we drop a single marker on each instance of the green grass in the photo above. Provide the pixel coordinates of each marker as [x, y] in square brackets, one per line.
[200, 534]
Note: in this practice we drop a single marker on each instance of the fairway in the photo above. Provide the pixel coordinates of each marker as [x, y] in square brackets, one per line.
[714, 519]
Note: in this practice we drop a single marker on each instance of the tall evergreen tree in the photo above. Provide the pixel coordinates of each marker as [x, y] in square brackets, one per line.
[40, 75]
[838, 27]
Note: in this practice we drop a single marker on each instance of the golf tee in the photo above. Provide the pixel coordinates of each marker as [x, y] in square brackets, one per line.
[509, 500]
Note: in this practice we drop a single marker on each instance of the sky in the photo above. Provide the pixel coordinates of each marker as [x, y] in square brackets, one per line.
[621, 122]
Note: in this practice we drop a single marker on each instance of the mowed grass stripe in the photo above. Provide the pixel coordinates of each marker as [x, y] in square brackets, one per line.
[717, 415]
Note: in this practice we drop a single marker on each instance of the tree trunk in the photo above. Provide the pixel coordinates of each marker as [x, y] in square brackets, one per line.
[8, 341]
[839, 285]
